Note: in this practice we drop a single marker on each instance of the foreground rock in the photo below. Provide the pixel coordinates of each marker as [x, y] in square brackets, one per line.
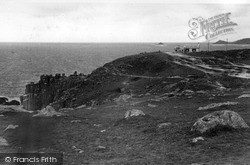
[219, 120]
[3, 142]
[49, 111]
[134, 112]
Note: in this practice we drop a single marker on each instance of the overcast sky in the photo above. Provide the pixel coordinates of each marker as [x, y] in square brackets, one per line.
[82, 21]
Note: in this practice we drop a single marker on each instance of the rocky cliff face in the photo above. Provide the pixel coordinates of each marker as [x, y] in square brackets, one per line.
[170, 74]
[49, 89]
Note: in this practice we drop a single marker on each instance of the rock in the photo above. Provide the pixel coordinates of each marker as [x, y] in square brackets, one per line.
[10, 127]
[49, 111]
[12, 102]
[134, 112]
[152, 106]
[219, 120]
[163, 125]
[3, 142]
[100, 148]
[214, 105]
[73, 147]
[103, 130]
[3, 100]
[195, 140]
[244, 96]
[122, 99]
[77, 149]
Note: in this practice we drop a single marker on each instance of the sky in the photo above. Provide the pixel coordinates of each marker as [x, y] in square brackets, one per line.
[113, 21]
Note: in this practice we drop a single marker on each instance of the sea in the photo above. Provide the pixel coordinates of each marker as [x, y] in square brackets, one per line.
[21, 63]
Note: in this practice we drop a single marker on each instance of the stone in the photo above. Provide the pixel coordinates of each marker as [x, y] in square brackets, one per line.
[100, 148]
[134, 112]
[195, 140]
[219, 120]
[163, 125]
[80, 151]
[122, 99]
[3, 100]
[10, 127]
[49, 111]
[3, 142]
[13, 102]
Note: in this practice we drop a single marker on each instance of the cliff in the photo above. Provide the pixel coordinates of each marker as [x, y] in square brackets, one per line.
[145, 73]
[49, 89]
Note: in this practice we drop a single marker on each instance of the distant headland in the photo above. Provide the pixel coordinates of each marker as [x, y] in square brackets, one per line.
[241, 41]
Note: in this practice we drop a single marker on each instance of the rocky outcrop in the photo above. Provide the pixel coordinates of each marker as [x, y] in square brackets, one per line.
[219, 120]
[12, 102]
[49, 89]
[4, 101]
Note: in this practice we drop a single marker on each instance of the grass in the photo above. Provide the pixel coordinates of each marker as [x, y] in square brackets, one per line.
[139, 140]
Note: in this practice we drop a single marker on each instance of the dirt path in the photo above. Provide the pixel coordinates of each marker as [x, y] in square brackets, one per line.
[230, 69]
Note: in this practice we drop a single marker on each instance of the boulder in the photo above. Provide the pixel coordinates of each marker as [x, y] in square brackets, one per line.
[134, 112]
[3, 100]
[3, 142]
[49, 111]
[122, 99]
[13, 102]
[219, 120]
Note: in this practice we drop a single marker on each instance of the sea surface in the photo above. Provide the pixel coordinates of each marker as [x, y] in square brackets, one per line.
[21, 63]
